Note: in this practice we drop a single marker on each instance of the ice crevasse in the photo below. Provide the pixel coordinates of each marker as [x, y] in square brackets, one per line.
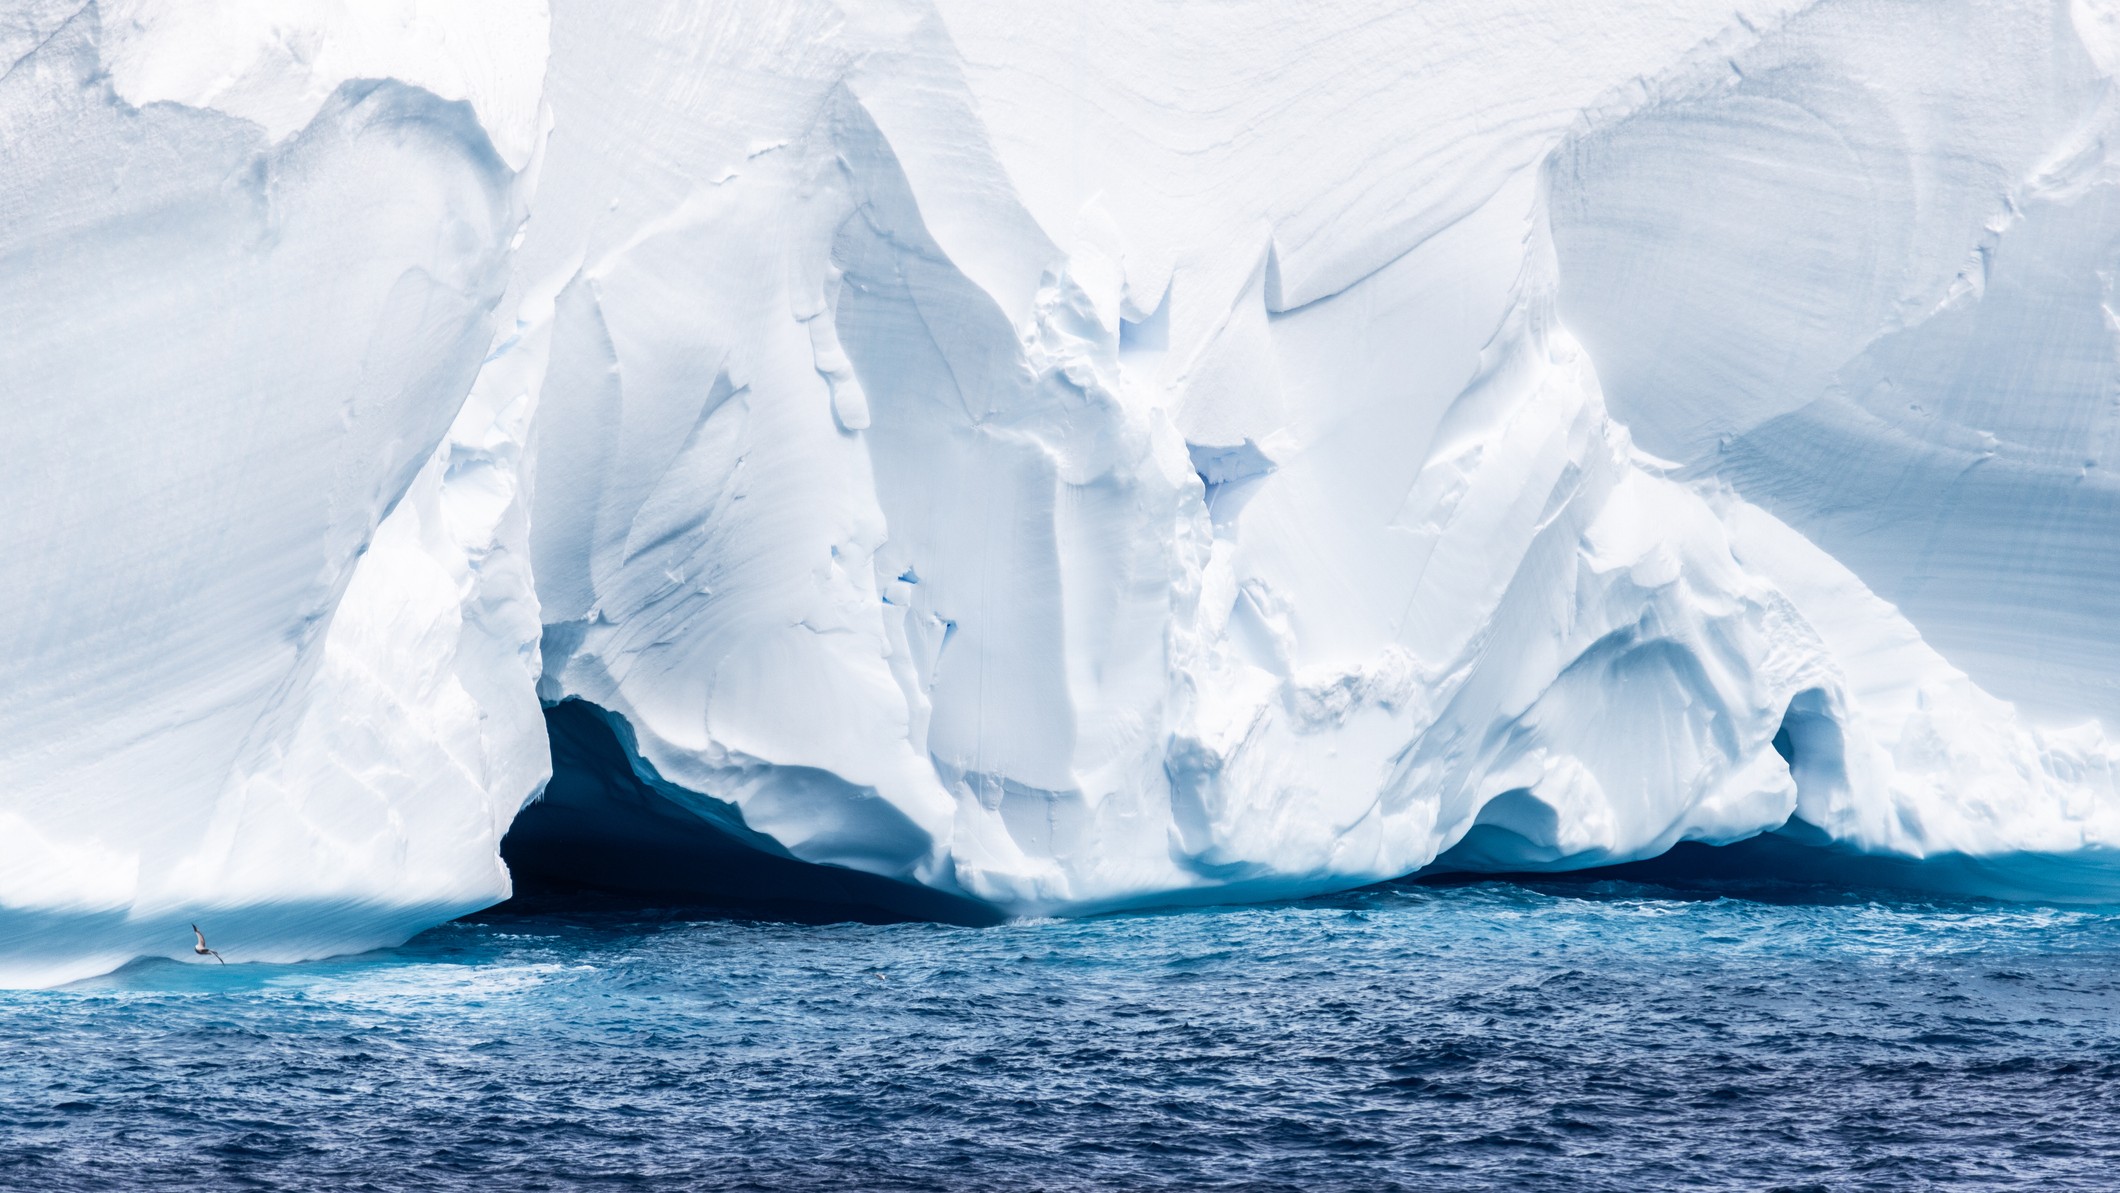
[1041, 459]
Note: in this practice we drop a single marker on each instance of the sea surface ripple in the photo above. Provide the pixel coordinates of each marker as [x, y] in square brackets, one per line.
[1564, 1035]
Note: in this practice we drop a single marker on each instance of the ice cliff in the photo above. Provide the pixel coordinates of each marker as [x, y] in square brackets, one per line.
[1042, 458]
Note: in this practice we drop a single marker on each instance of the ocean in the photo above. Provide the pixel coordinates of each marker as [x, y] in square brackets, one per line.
[1590, 1033]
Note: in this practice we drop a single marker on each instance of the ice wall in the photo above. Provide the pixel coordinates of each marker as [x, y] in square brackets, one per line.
[235, 692]
[1862, 271]
[1058, 457]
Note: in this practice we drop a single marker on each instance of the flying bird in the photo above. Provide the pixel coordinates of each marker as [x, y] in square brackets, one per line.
[201, 949]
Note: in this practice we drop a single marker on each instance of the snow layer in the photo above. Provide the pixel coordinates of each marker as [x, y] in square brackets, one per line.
[1064, 457]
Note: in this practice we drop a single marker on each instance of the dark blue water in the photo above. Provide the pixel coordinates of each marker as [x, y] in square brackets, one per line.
[1566, 1035]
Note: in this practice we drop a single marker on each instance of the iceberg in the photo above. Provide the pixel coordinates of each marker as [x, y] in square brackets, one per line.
[995, 460]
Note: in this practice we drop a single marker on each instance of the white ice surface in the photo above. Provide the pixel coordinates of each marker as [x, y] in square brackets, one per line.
[1070, 456]
[236, 693]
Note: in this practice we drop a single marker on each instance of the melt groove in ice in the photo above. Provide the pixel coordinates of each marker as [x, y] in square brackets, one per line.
[1065, 457]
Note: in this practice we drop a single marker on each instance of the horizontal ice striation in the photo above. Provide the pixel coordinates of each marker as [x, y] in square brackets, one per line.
[1048, 458]
[1876, 297]
[267, 658]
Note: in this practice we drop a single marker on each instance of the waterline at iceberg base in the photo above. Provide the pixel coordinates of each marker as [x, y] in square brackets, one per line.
[978, 461]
